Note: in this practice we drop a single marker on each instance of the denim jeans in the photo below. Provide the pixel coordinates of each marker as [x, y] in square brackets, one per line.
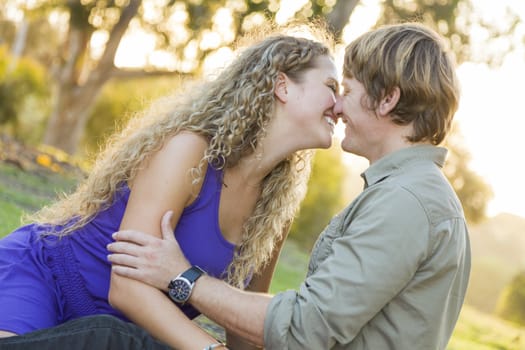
[91, 332]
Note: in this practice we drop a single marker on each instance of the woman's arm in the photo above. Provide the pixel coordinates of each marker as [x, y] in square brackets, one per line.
[154, 261]
[216, 299]
[164, 183]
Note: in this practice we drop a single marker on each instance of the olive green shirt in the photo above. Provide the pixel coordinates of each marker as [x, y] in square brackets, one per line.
[389, 272]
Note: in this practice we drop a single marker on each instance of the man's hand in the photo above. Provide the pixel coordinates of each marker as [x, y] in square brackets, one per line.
[146, 258]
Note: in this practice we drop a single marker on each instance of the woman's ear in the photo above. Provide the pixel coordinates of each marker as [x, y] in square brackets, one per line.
[389, 102]
[281, 87]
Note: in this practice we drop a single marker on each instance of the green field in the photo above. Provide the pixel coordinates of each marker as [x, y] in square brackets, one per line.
[22, 191]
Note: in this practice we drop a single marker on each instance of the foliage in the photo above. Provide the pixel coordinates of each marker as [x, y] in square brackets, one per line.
[82, 39]
[488, 277]
[498, 254]
[455, 20]
[34, 46]
[117, 103]
[473, 191]
[21, 80]
[7, 28]
[512, 301]
[291, 269]
[323, 199]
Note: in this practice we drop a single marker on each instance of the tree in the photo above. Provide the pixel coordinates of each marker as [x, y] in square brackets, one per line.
[325, 196]
[455, 20]
[512, 301]
[78, 77]
[7, 28]
[181, 28]
[189, 31]
[472, 190]
[117, 103]
[20, 80]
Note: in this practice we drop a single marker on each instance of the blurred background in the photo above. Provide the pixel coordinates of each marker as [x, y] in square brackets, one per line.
[72, 72]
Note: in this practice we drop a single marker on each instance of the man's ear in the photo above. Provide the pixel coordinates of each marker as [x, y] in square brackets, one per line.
[389, 102]
[281, 87]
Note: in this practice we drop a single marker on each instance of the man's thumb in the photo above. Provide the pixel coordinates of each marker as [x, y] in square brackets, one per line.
[166, 227]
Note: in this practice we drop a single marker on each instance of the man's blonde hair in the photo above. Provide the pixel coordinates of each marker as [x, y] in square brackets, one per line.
[411, 57]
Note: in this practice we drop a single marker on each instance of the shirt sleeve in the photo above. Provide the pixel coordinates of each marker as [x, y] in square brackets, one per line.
[363, 264]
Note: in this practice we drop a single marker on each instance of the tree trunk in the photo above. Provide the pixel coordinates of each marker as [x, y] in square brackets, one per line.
[340, 14]
[75, 96]
[18, 45]
[70, 114]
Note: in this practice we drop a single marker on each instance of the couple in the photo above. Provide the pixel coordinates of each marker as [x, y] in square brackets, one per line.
[389, 272]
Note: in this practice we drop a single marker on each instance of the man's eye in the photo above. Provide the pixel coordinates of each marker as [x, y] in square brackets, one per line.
[333, 87]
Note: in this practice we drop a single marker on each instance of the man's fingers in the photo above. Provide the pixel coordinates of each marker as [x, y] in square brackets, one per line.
[166, 227]
[126, 271]
[124, 247]
[123, 260]
[136, 237]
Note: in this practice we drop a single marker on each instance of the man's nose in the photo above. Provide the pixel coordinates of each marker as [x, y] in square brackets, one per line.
[338, 106]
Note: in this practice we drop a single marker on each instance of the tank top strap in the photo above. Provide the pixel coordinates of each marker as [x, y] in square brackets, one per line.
[210, 189]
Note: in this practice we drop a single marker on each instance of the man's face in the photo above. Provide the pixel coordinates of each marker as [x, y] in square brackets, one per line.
[364, 130]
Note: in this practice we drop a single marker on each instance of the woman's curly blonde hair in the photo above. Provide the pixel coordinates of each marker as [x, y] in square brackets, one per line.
[231, 112]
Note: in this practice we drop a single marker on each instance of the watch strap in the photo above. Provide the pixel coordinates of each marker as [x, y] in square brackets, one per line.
[192, 274]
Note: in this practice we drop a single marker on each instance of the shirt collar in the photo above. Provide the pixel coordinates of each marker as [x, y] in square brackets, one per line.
[396, 160]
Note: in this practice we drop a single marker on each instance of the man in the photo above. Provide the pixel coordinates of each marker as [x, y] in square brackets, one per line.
[391, 270]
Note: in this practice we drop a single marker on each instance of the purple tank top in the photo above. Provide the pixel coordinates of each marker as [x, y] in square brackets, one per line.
[80, 267]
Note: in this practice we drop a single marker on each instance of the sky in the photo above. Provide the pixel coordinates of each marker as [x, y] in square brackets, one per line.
[493, 123]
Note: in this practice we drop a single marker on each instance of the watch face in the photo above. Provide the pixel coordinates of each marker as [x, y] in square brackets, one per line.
[180, 290]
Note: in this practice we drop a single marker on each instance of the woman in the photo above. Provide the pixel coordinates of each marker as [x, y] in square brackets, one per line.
[226, 158]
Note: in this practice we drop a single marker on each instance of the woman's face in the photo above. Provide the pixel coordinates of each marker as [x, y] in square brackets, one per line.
[311, 101]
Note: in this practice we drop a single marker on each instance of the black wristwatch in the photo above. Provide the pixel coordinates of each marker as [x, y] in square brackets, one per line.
[181, 286]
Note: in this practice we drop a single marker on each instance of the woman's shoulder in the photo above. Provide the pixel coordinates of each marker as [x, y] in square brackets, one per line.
[189, 138]
[185, 145]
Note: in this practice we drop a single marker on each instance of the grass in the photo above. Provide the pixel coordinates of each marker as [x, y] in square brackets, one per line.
[22, 192]
[25, 192]
[479, 331]
[291, 268]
